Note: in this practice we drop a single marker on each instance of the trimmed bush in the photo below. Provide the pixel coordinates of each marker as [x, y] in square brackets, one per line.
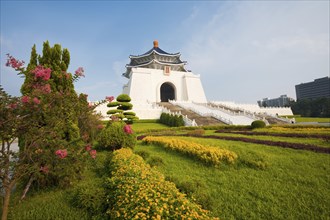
[258, 124]
[123, 98]
[171, 120]
[135, 191]
[114, 137]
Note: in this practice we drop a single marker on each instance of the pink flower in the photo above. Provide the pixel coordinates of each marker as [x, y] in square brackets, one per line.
[36, 100]
[109, 98]
[128, 129]
[88, 147]
[100, 127]
[79, 72]
[41, 72]
[25, 99]
[12, 105]
[45, 89]
[61, 153]
[44, 169]
[12, 62]
[92, 153]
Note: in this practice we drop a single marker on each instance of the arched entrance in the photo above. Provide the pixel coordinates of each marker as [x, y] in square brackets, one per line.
[167, 92]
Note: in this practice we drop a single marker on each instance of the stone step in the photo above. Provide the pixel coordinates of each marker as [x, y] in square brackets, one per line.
[200, 120]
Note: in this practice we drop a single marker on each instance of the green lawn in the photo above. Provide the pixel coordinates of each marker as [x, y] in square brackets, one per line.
[146, 127]
[293, 184]
[309, 119]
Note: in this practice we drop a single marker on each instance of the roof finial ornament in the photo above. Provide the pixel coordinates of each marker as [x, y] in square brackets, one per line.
[155, 43]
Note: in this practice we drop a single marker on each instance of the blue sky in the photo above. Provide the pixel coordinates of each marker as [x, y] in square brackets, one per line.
[243, 50]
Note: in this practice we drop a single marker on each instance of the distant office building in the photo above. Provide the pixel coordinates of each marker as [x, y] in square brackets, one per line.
[319, 88]
[281, 101]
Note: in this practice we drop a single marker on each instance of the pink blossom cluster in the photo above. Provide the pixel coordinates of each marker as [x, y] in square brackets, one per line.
[12, 62]
[41, 72]
[79, 72]
[92, 153]
[13, 105]
[25, 99]
[128, 129]
[109, 98]
[45, 89]
[61, 153]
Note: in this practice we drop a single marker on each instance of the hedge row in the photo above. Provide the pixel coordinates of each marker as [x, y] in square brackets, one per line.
[207, 154]
[171, 120]
[135, 191]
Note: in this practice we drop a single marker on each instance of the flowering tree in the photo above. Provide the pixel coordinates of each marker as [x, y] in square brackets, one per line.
[50, 121]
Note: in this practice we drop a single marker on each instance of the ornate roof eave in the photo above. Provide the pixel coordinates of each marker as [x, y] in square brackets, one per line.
[154, 52]
[156, 61]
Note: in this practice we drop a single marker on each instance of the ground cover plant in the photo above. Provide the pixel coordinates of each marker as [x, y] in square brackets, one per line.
[265, 183]
[135, 191]
[207, 154]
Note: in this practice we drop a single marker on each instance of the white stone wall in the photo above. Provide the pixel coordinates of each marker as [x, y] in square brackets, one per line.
[144, 85]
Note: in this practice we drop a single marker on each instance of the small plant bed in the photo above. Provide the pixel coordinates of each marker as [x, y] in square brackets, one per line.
[298, 146]
[277, 134]
[313, 141]
[209, 155]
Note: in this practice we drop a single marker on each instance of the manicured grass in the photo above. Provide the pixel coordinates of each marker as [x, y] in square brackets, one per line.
[320, 120]
[146, 127]
[290, 184]
[46, 205]
[298, 118]
[315, 141]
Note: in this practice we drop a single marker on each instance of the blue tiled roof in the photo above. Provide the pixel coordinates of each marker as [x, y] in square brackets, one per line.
[158, 50]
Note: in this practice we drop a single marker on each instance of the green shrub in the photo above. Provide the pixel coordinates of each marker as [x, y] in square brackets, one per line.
[135, 191]
[171, 120]
[113, 137]
[258, 124]
[123, 98]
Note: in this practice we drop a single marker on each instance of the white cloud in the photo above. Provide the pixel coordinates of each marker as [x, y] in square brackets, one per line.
[260, 49]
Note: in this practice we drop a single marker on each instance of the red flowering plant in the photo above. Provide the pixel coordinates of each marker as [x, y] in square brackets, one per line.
[49, 121]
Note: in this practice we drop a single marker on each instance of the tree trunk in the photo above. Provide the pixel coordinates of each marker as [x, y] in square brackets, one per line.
[5, 206]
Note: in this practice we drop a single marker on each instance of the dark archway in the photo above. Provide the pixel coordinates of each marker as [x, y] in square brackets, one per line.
[167, 92]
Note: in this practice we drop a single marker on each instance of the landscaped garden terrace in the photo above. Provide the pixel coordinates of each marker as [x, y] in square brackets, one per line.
[229, 172]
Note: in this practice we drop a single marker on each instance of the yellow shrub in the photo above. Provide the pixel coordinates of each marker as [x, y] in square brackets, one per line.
[207, 154]
[136, 191]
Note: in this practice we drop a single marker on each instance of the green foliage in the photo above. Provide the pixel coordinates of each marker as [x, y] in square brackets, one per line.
[123, 105]
[58, 119]
[312, 108]
[258, 124]
[171, 120]
[123, 98]
[113, 137]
